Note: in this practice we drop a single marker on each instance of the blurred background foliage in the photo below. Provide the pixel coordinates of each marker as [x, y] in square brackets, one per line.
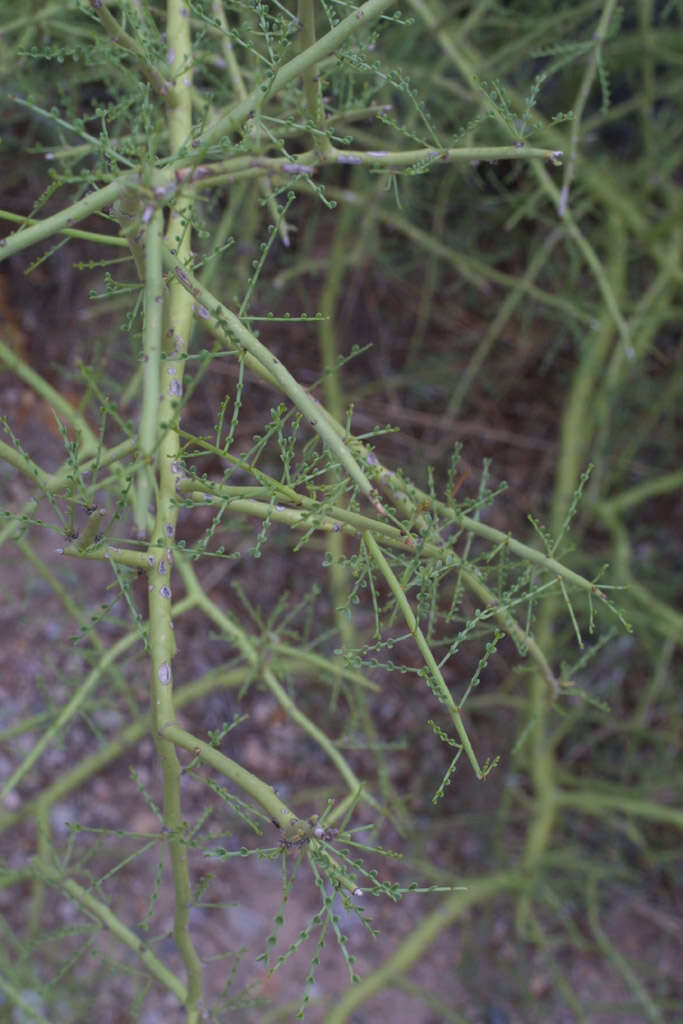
[530, 314]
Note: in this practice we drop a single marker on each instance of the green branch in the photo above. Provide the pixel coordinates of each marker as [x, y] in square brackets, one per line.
[151, 368]
[418, 942]
[264, 795]
[232, 329]
[50, 395]
[93, 202]
[232, 121]
[101, 912]
[71, 708]
[126, 42]
[244, 644]
[438, 683]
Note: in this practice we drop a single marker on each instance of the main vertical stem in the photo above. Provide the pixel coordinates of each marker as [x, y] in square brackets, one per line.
[177, 325]
[151, 345]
